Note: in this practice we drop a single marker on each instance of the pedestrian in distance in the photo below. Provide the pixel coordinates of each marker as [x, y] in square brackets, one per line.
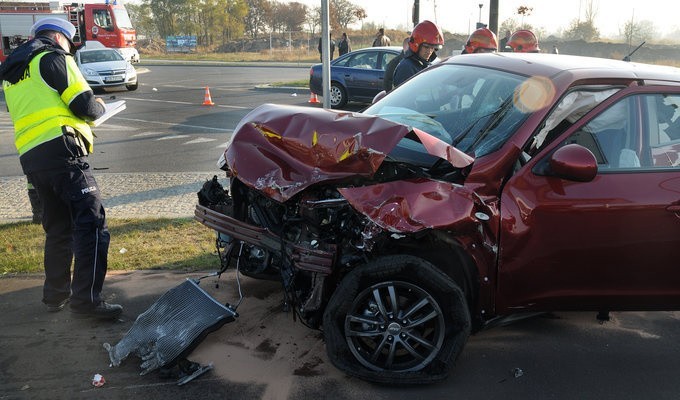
[331, 44]
[51, 104]
[381, 40]
[504, 42]
[344, 46]
[424, 42]
[388, 80]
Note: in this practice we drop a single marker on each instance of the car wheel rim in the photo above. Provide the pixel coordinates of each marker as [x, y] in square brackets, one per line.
[336, 95]
[394, 326]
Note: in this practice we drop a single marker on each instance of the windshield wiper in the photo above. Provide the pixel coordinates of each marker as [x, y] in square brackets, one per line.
[496, 117]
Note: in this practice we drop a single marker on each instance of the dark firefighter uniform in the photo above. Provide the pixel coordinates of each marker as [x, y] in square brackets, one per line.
[50, 103]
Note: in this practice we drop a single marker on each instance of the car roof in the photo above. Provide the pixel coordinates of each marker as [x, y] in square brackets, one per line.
[550, 65]
[97, 49]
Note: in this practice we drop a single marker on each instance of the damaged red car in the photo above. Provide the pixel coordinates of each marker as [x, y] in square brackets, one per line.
[488, 186]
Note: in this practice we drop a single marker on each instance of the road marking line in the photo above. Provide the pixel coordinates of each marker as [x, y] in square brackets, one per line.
[172, 137]
[184, 102]
[148, 134]
[200, 140]
[172, 124]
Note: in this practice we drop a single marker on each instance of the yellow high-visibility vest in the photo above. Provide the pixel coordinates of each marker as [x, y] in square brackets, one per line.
[37, 110]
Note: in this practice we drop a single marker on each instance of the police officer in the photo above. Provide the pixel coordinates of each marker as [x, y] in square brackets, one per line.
[50, 104]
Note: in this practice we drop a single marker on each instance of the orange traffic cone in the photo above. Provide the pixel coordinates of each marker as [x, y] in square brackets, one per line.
[312, 98]
[207, 101]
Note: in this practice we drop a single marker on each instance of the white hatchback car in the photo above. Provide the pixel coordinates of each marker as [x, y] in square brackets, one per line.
[106, 68]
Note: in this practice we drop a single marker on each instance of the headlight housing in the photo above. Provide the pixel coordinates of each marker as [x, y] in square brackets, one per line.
[89, 72]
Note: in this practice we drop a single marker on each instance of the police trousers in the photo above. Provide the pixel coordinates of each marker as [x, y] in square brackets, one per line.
[75, 229]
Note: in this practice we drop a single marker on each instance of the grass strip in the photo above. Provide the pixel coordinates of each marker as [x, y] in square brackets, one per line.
[172, 244]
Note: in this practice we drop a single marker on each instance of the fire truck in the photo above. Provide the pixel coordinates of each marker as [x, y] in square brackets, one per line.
[107, 23]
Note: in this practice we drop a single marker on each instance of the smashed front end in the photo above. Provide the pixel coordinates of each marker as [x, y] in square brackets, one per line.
[314, 193]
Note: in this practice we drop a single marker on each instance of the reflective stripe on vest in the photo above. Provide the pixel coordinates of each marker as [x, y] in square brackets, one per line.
[37, 110]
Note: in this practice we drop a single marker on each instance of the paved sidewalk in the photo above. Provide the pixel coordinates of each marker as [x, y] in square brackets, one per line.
[126, 195]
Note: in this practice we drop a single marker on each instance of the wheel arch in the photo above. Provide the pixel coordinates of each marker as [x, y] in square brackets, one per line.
[447, 254]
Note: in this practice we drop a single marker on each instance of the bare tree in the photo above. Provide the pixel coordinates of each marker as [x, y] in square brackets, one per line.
[313, 19]
[255, 20]
[634, 32]
[343, 13]
[584, 30]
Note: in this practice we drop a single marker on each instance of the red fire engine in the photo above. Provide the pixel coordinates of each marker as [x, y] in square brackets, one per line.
[107, 23]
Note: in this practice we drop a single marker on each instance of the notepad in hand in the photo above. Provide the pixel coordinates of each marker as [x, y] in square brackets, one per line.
[111, 110]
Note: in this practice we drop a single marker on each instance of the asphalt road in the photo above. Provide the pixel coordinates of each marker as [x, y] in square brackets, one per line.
[165, 127]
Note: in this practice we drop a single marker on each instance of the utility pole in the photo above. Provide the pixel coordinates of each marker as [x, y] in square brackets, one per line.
[493, 16]
[416, 12]
[325, 55]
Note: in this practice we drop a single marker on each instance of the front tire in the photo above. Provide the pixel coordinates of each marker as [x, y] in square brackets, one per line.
[338, 95]
[396, 320]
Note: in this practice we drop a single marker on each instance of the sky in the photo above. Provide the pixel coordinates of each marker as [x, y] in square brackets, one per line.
[460, 16]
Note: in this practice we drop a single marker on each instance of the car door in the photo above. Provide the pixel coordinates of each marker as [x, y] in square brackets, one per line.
[609, 244]
[361, 75]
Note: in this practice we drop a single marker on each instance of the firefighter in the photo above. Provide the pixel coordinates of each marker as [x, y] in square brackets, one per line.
[482, 40]
[423, 44]
[523, 41]
[50, 104]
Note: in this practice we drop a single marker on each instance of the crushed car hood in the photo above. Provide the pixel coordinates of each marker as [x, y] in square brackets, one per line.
[281, 150]
[414, 205]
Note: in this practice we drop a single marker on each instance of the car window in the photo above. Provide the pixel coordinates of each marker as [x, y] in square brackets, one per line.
[99, 56]
[102, 18]
[385, 59]
[365, 60]
[639, 132]
[575, 104]
[663, 126]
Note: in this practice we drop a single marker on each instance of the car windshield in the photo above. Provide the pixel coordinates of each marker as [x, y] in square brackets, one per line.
[122, 18]
[94, 56]
[470, 107]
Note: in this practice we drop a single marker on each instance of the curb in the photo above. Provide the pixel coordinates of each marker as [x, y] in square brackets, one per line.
[200, 63]
[281, 89]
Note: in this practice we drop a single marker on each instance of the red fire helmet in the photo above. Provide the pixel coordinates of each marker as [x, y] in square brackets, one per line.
[523, 41]
[426, 32]
[480, 40]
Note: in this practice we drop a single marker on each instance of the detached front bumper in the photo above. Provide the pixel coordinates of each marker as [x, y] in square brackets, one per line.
[302, 255]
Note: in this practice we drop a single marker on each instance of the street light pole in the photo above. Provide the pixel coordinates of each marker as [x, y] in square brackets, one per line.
[480, 12]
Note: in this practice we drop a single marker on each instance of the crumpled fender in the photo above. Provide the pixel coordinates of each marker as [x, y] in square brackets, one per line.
[281, 150]
[413, 205]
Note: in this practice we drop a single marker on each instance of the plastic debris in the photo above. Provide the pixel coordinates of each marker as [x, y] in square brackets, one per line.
[517, 372]
[154, 89]
[293, 95]
[123, 250]
[98, 380]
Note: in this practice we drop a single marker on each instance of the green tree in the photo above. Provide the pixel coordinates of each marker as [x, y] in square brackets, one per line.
[167, 14]
[235, 14]
[142, 20]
